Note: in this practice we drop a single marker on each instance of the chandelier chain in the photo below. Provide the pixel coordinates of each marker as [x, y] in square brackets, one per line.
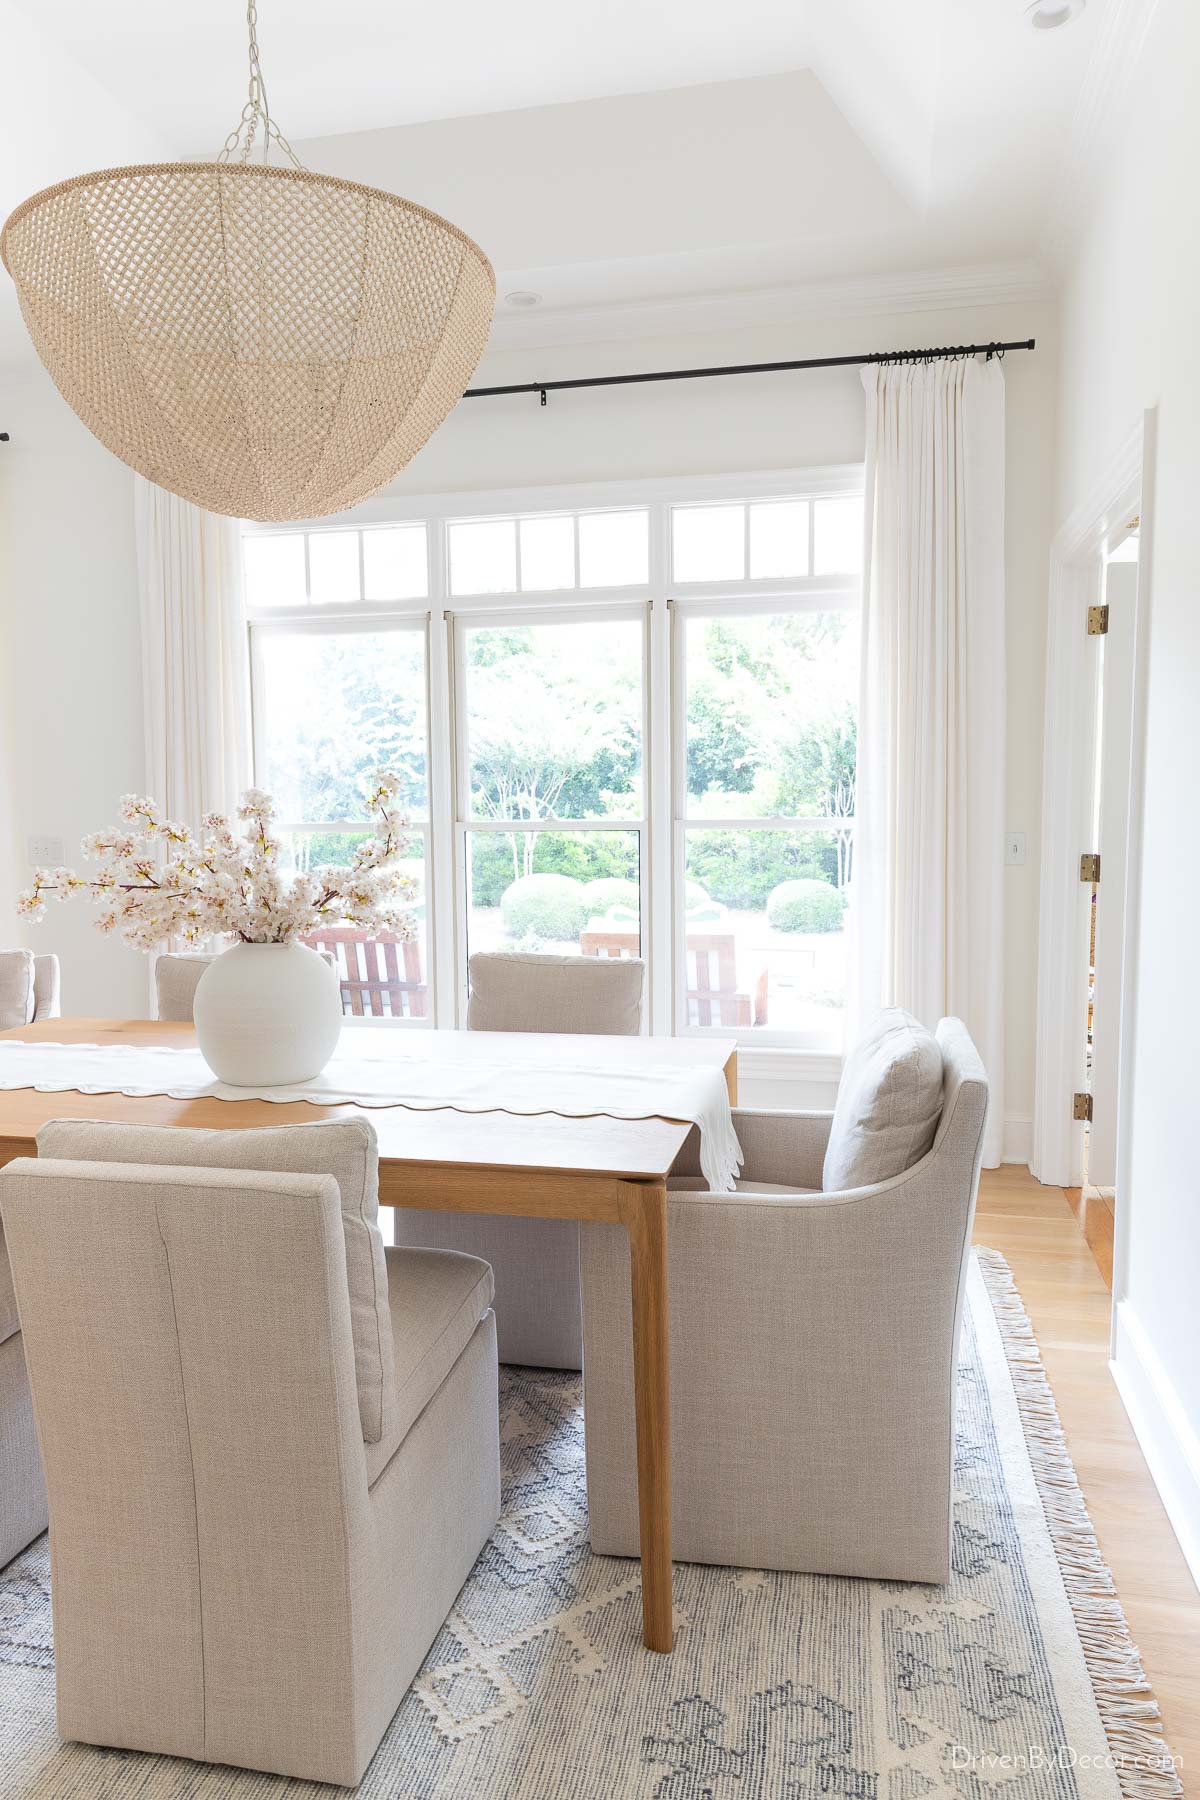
[256, 114]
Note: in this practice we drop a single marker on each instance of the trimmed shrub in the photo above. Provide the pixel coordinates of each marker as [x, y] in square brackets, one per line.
[694, 895]
[806, 906]
[611, 890]
[740, 868]
[544, 906]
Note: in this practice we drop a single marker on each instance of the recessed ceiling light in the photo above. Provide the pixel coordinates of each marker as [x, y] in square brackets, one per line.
[521, 297]
[1045, 15]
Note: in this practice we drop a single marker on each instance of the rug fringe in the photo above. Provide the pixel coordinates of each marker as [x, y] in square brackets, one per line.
[1128, 1710]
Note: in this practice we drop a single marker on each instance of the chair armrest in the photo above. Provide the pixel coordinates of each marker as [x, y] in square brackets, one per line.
[784, 1148]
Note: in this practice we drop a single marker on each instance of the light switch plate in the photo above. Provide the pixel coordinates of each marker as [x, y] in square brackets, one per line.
[47, 852]
[1014, 848]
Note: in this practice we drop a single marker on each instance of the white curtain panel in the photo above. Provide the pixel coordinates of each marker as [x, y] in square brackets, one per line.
[927, 922]
[195, 658]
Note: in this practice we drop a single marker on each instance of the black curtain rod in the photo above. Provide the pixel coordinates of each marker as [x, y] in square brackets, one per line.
[768, 368]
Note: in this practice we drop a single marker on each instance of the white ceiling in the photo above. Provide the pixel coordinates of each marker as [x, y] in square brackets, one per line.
[605, 152]
[351, 65]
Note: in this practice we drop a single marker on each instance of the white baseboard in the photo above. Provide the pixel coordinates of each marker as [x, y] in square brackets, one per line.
[1168, 1439]
[1017, 1145]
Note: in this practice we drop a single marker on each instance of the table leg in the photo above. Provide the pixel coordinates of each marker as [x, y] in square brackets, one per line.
[647, 1224]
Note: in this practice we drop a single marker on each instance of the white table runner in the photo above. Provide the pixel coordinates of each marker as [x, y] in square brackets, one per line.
[394, 1069]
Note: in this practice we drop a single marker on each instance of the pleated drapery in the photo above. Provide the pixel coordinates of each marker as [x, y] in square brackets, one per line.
[195, 657]
[927, 919]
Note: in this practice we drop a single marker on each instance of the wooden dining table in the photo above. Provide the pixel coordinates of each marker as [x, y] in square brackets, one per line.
[541, 1165]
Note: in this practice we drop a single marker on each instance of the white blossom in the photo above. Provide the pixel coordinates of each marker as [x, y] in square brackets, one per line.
[157, 881]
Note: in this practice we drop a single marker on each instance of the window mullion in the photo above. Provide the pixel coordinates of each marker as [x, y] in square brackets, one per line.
[659, 883]
[442, 908]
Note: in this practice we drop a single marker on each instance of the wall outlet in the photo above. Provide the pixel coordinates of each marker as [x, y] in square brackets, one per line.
[46, 852]
[1014, 847]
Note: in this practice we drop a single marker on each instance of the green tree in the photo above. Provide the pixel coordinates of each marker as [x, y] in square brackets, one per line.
[818, 776]
[720, 749]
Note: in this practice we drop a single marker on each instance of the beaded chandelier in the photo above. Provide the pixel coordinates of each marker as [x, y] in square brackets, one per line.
[264, 341]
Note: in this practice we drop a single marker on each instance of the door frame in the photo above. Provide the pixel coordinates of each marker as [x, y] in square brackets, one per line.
[1076, 575]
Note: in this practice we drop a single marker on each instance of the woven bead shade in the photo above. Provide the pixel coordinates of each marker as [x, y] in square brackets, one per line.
[266, 342]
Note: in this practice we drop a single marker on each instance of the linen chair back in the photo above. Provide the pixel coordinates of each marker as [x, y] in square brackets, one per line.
[344, 1148]
[28, 988]
[188, 1338]
[17, 1001]
[175, 981]
[512, 991]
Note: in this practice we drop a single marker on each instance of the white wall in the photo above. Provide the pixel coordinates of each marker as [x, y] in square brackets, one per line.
[1129, 342]
[55, 121]
[782, 421]
[70, 675]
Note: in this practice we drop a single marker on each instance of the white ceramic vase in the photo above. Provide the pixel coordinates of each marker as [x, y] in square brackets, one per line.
[267, 1015]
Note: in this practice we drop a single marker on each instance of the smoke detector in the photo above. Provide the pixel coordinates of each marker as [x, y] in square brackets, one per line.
[1047, 15]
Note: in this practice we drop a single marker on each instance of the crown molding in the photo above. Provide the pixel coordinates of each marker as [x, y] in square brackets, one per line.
[927, 290]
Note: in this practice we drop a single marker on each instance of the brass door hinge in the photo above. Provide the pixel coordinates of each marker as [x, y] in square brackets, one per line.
[1097, 621]
[1089, 866]
[1082, 1107]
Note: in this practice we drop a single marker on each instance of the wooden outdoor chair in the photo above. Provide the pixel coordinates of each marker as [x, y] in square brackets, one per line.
[380, 974]
[713, 996]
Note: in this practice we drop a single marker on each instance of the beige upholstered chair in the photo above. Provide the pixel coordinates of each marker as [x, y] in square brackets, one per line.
[535, 1261]
[272, 1458]
[28, 991]
[22, 1489]
[598, 996]
[176, 979]
[28, 988]
[813, 1337]
[175, 982]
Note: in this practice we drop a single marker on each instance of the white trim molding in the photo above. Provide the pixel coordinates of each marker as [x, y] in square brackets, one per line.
[859, 296]
[1017, 1143]
[1076, 569]
[791, 1080]
[1159, 1419]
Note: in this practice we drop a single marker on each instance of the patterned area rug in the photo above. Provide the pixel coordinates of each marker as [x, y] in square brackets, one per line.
[1017, 1679]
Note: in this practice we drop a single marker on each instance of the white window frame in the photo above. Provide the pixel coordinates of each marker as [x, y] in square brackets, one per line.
[659, 601]
[467, 825]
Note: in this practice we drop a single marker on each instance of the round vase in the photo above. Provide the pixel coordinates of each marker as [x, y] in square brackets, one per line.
[267, 1015]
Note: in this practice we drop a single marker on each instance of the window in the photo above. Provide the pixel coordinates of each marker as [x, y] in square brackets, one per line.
[335, 568]
[331, 705]
[553, 779]
[549, 552]
[768, 746]
[625, 729]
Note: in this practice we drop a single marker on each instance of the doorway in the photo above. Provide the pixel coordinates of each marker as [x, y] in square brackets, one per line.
[1111, 624]
[1091, 808]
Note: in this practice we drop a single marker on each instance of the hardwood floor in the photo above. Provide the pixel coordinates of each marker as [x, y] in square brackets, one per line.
[1094, 1215]
[1060, 1252]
